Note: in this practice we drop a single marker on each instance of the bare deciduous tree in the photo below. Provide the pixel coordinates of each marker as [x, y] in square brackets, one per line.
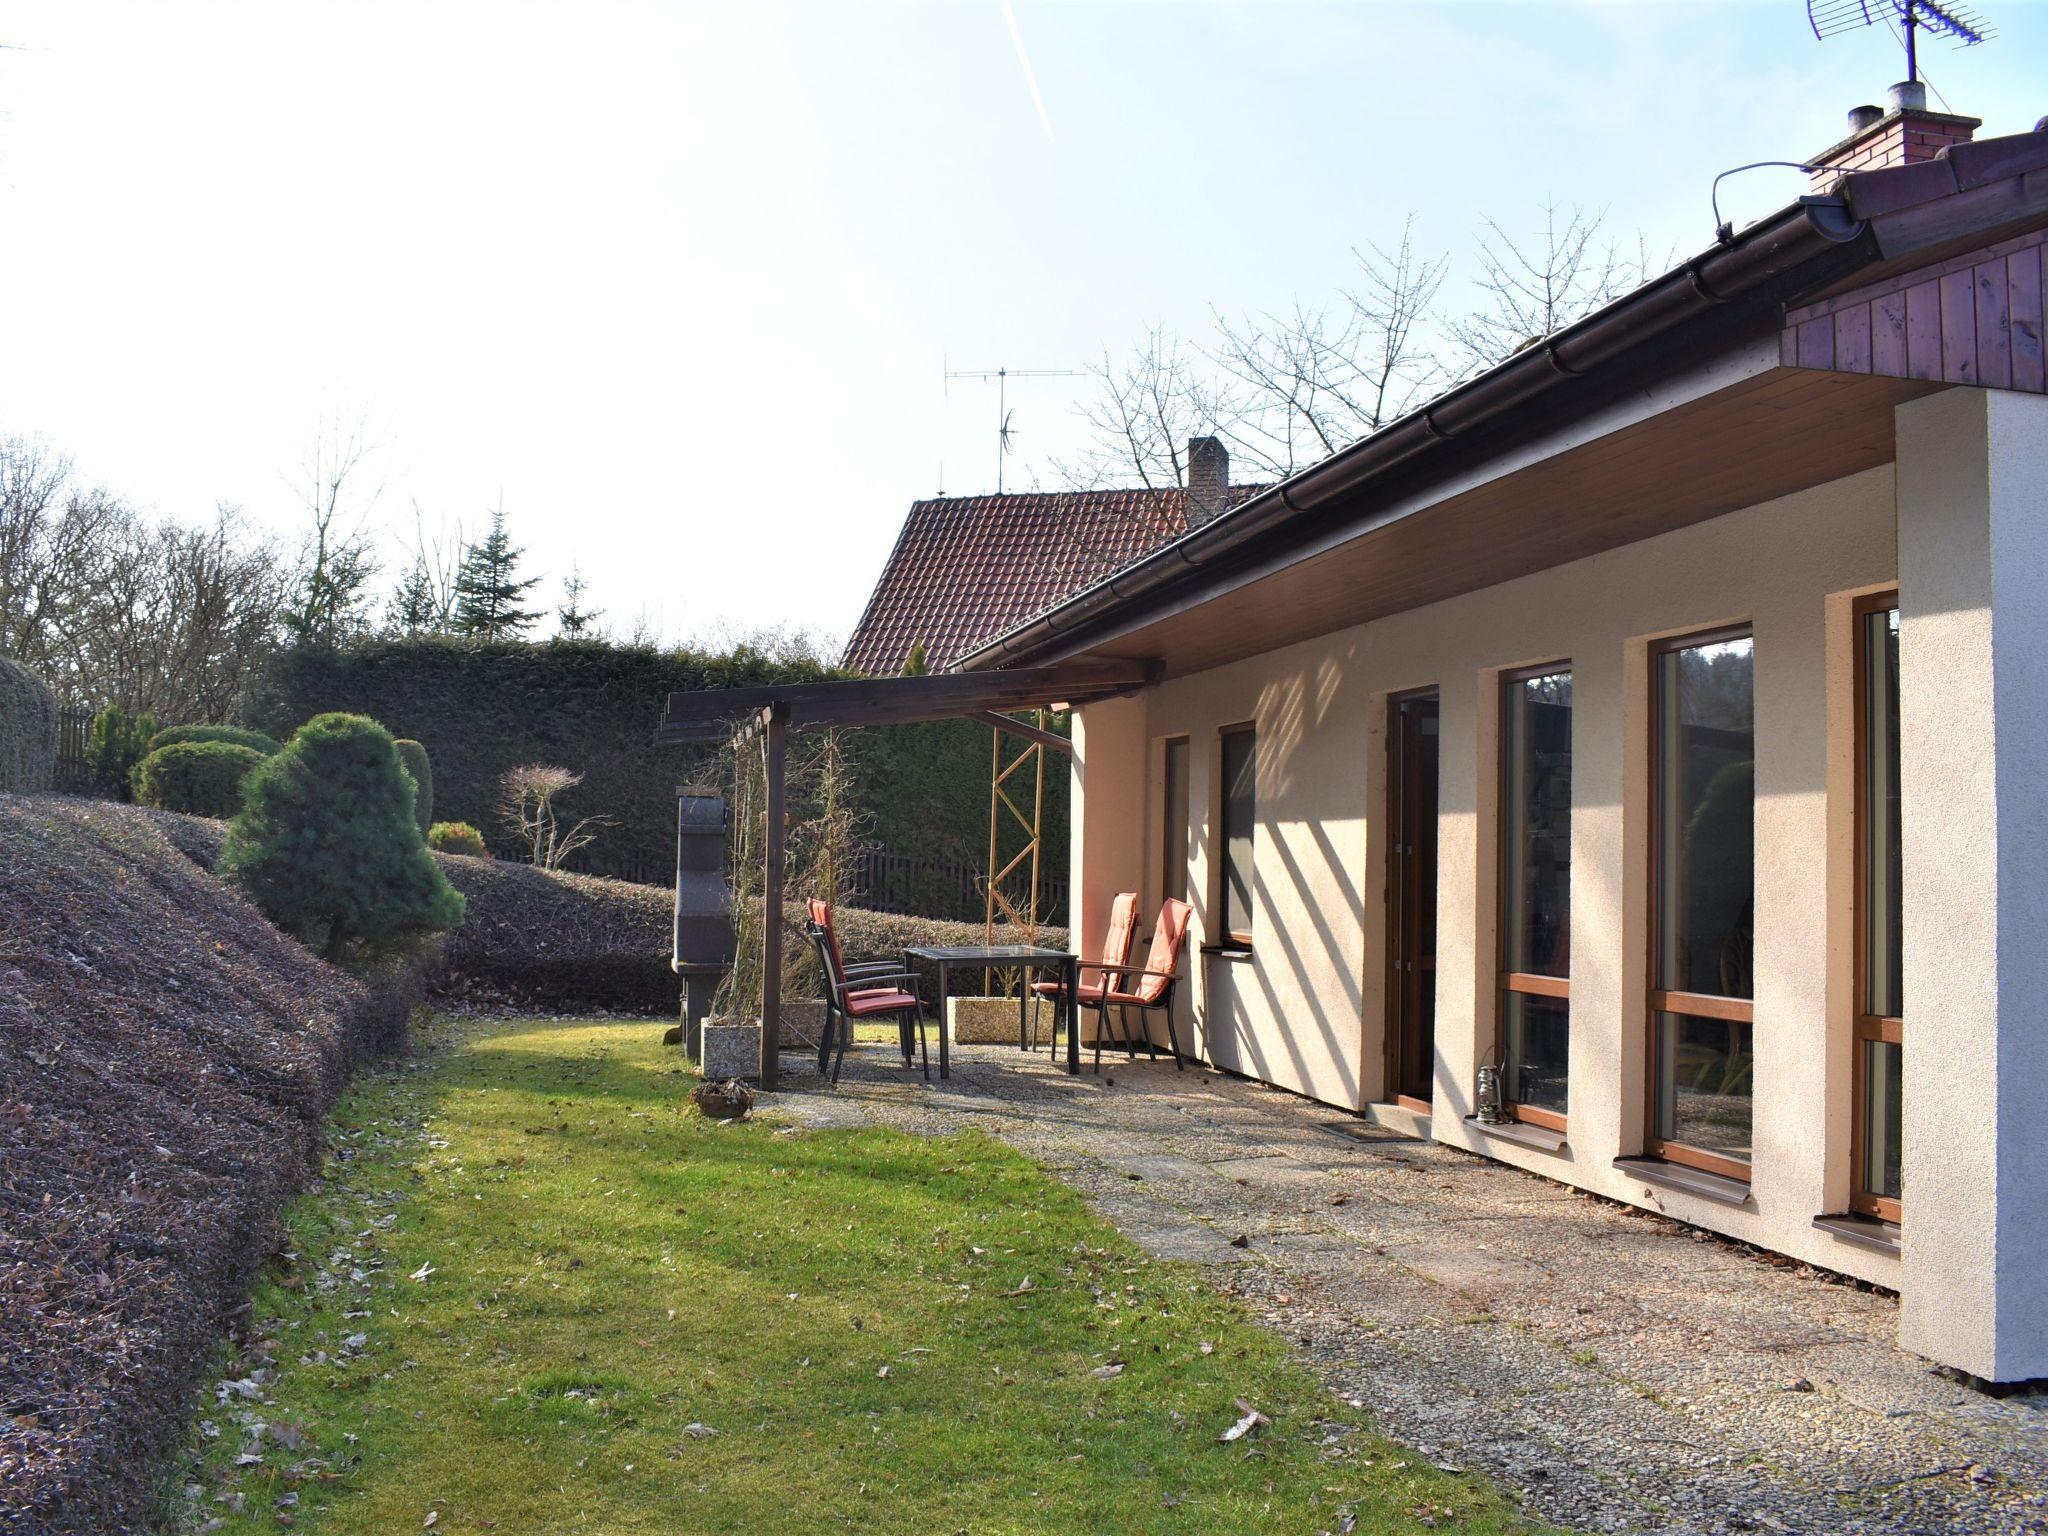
[526, 807]
[1317, 379]
[1536, 284]
[1146, 406]
[331, 598]
[424, 602]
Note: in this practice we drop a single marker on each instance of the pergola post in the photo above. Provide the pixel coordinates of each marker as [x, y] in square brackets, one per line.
[775, 719]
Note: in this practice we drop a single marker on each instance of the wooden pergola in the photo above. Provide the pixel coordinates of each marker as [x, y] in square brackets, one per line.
[773, 711]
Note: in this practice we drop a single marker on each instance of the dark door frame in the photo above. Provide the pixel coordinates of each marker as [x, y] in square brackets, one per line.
[1408, 972]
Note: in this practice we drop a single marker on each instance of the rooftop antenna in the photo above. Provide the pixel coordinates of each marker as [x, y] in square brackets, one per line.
[1006, 430]
[1961, 26]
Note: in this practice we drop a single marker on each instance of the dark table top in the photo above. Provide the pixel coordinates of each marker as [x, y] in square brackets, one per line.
[975, 954]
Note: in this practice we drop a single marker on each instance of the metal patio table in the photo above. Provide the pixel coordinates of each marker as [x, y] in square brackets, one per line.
[1026, 957]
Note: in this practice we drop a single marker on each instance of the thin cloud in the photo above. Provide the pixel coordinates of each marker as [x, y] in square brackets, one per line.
[1030, 78]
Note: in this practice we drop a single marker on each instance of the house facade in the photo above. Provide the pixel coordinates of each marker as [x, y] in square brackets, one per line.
[1658, 722]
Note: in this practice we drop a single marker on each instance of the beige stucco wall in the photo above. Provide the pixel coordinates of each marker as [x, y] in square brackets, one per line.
[1304, 1010]
[1973, 552]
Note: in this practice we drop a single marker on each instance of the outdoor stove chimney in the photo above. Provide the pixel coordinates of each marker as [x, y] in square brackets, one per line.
[703, 933]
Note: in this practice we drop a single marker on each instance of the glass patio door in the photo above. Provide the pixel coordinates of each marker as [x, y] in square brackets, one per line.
[1411, 897]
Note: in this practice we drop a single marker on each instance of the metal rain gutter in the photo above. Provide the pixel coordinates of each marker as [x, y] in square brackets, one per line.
[1726, 274]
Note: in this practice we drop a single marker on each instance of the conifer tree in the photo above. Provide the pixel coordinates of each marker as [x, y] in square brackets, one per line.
[488, 591]
[575, 620]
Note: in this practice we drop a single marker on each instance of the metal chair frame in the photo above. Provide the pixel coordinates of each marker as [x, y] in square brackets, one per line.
[842, 982]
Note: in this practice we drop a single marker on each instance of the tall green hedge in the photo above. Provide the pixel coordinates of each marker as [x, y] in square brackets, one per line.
[28, 729]
[480, 708]
[255, 741]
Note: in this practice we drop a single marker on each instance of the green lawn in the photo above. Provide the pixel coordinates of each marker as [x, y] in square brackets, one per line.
[539, 1293]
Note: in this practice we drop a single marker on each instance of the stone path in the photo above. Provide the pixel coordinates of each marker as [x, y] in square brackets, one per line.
[1623, 1371]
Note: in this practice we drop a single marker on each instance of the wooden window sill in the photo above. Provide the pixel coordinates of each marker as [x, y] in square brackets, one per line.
[1863, 1231]
[1691, 1181]
[1521, 1132]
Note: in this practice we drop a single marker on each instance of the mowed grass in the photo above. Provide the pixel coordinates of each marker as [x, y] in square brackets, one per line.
[538, 1292]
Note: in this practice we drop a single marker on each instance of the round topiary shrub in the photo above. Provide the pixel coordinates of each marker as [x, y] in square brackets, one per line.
[28, 729]
[200, 778]
[414, 757]
[457, 837]
[327, 846]
[255, 741]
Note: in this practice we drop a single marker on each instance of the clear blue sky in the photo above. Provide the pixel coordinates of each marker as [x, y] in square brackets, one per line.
[678, 280]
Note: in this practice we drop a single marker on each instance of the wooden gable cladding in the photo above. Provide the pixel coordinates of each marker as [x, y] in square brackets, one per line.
[1974, 319]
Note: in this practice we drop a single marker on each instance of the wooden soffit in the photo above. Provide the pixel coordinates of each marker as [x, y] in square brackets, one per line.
[1773, 431]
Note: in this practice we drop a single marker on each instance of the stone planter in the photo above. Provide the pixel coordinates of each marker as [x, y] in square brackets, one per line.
[732, 1048]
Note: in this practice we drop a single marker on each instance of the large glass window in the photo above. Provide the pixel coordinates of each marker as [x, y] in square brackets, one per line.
[1536, 891]
[1240, 805]
[1173, 831]
[1704, 788]
[1881, 1004]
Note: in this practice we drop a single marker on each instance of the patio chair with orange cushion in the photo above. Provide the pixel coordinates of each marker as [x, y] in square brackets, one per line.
[869, 989]
[1116, 951]
[1151, 985]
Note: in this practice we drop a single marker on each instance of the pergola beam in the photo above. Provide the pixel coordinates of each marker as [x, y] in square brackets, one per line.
[709, 714]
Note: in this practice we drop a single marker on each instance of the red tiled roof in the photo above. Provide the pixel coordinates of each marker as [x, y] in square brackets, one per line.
[968, 567]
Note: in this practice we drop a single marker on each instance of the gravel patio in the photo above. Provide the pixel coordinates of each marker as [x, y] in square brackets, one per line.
[1624, 1372]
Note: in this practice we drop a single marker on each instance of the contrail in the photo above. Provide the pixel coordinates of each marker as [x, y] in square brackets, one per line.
[1030, 78]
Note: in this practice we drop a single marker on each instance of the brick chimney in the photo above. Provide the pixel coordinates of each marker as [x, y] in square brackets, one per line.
[1903, 133]
[1208, 479]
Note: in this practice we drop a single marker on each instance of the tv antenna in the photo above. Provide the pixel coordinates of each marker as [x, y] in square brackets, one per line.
[1962, 27]
[1006, 430]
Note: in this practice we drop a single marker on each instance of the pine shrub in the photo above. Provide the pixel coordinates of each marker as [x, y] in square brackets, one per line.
[255, 741]
[327, 846]
[457, 837]
[414, 758]
[199, 778]
[116, 743]
[28, 729]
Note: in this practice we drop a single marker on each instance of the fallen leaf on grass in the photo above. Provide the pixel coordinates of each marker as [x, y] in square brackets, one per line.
[1108, 1372]
[433, 1519]
[422, 1272]
[1252, 1419]
[1023, 1288]
[883, 1371]
[697, 1431]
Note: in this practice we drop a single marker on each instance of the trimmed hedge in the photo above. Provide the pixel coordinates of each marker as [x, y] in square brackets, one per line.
[255, 741]
[459, 838]
[199, 778]
[481, 708]
[414, 758]
[326, 844]
[28, 730]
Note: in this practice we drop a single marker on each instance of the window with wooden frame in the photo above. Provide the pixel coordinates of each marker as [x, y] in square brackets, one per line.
[1535, 892]
[1173, 821]
[1239, 806]
[1702, 901]
[1879, 1065]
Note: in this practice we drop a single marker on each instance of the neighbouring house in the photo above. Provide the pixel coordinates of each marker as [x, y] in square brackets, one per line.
[1660, 717]
[968, 567]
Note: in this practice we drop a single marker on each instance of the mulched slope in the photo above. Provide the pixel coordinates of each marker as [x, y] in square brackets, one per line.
[168, 1060]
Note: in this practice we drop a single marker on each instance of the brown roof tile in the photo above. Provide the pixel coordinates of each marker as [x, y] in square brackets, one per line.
[968, 567]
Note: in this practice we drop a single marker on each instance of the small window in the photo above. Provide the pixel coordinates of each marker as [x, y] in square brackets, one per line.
[1702, 1075]
[1173, 831]
[1536, 892]
[1240, 808]
[1879, 1062]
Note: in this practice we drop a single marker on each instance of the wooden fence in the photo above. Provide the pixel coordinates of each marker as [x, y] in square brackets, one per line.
[73, 776]
[941, 888]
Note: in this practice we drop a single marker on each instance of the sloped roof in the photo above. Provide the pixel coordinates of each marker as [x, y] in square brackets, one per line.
[966, 568]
